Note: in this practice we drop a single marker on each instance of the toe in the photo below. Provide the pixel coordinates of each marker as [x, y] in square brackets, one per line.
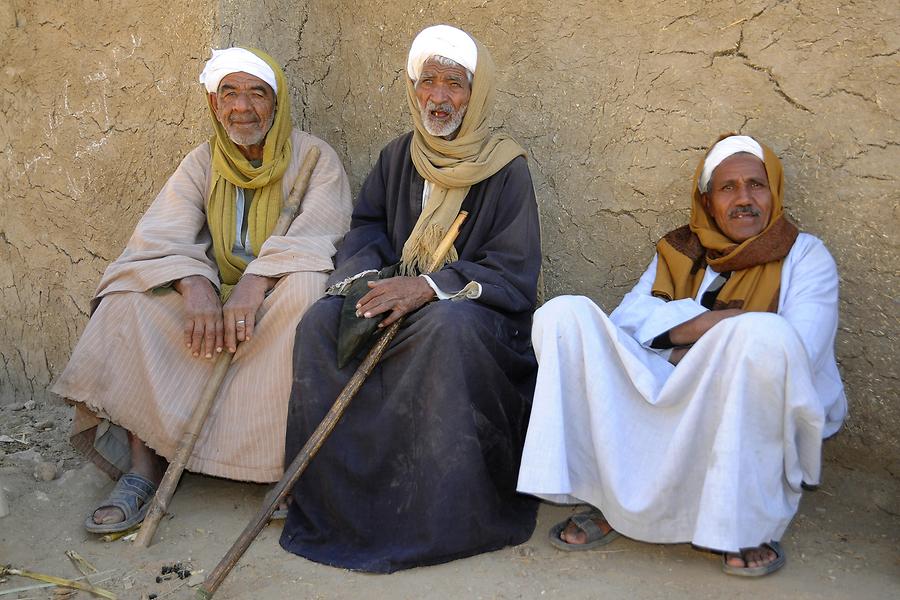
[752, 557]
[573, 535]
[107, 516]
[735, 560]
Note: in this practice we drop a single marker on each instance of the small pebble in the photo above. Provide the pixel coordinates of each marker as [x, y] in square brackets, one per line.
[30, 405]
[41, 496]
[45, 424]
[15, 406]
[45, 471]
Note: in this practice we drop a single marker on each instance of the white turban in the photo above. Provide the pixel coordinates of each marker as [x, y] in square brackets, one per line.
[722, 150]
[441, 40]
[235, 60]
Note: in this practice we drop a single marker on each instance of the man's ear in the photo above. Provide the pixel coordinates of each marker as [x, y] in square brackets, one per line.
[214, 102]
[704, 200]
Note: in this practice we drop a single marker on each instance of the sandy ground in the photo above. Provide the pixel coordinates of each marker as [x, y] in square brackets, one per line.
[844, 543]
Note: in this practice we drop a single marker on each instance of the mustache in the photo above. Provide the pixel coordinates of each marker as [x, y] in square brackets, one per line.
[740, 211]
[443, 107]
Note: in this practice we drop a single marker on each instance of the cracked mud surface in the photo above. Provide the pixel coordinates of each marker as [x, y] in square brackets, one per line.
[614, 102]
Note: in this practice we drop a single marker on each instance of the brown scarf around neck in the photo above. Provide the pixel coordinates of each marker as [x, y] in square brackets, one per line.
[684, 253]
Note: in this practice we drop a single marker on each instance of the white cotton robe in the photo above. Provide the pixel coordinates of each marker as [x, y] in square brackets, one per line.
[712, 451]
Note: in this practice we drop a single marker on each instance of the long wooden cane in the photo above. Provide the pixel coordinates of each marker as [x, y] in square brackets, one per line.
[318, 437]
[160, 503]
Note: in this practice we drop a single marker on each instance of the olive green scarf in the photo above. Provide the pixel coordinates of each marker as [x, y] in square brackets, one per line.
[453, 166]
[231, 170]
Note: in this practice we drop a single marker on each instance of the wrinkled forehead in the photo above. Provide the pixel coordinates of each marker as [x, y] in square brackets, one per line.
[435, 66]
[244, 81]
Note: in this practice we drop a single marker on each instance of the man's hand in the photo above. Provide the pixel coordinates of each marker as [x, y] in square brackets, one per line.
[677, 354]
[239, 312]
[203, 321]
[684, 335]
[399, 295]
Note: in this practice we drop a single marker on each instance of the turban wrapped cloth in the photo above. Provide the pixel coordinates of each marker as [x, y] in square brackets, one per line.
[726, 147]
[235, 60]
[441, 40]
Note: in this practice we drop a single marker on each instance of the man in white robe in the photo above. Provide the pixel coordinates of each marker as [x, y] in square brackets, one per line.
[695, 411]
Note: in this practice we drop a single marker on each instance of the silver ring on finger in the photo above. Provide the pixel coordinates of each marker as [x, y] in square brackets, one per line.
[241, 322]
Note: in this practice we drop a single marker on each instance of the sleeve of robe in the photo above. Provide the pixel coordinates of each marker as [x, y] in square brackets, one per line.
[172, 240]
[808, 300]
[507, 260]
[324, 216]
[367, 245]
[644, 316]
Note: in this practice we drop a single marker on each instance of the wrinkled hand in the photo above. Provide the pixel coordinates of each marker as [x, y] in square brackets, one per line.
[239, 313]
[203, 320]
[399, 295]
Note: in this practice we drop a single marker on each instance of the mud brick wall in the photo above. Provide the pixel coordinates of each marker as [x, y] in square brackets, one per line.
[99, 104]
[614, 101]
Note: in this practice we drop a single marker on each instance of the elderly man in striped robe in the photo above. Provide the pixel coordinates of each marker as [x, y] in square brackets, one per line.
[201, 273]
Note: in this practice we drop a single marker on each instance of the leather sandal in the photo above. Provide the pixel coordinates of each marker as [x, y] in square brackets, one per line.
[585, 522]
[132, 496]
[760, 571]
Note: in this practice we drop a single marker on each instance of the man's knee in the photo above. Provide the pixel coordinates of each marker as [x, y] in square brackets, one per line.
[764, 334]
[453, 322]
[563, 311]
[322, 316]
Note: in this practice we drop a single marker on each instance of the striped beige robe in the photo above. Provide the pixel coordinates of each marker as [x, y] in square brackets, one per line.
[131, 365]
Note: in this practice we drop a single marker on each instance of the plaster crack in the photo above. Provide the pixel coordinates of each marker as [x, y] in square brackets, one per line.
[679, 18]
[884, 54]
[776, 85]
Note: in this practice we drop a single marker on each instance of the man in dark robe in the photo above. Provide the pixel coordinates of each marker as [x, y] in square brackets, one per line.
[422, 467]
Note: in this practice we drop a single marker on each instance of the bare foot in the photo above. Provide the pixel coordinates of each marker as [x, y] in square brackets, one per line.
[144, 461]
[572, 534]
[751, 557]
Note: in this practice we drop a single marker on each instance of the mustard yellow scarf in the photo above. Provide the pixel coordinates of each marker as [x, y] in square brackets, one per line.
[755, 263]
[453, 166]
[231, 170]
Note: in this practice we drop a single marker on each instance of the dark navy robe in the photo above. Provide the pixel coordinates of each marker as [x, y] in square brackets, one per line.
[422, 467]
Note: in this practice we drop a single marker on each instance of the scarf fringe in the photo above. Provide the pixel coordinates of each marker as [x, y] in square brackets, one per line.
[417, 260]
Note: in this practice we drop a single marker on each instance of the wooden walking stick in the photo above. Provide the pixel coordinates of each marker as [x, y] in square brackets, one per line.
[160, 503]
[318, 437]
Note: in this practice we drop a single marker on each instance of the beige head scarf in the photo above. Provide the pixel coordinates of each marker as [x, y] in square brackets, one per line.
[231, 170]
[755, 263]
[452, 166]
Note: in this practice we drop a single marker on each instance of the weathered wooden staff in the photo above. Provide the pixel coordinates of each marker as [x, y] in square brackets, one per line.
[160, 503]
[318, 437]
